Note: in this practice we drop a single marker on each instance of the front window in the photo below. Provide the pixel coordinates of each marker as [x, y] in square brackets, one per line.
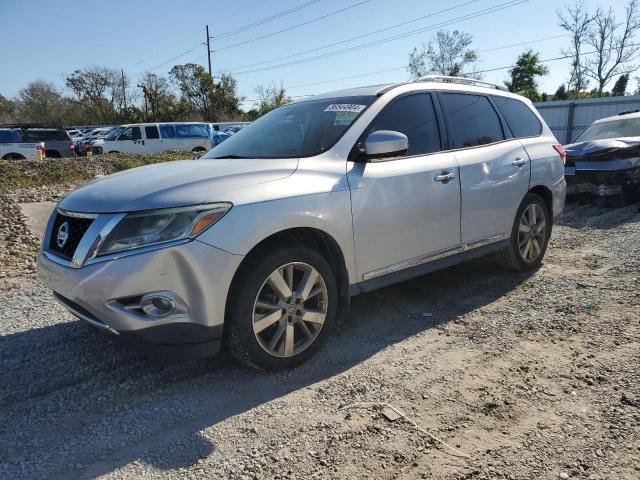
[114, 133]
[299, 129]
[625, 127]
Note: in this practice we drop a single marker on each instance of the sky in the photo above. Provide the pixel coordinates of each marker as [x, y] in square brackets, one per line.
[48, 39]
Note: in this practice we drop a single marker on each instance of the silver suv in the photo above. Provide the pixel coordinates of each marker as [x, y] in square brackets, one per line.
[260, 244]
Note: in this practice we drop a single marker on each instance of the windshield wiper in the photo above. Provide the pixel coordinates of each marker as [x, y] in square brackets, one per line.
[229, 156]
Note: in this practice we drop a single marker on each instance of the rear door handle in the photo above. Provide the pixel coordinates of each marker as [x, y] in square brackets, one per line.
[518, 162]
[445, 177]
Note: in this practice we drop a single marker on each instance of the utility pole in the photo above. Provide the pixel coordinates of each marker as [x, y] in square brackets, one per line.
[144, 91]
[124, 90]
[209, 52]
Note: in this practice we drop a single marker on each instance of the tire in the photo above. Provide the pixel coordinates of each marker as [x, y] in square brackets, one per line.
[285, 339]
[513, 257]
[13, 156]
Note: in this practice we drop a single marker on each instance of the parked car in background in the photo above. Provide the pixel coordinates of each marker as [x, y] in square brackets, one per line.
[160, 137]
[57, 141]
[13, 148]
[261, 243]
[224, 126]
[83, 143]
[604, 160]
[73, 132]
[233, 129]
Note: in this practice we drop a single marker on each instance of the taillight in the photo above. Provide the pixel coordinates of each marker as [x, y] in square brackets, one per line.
[561, 151]
[72, 146]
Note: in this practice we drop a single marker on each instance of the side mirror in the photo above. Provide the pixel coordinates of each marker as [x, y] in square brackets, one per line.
[384, 144]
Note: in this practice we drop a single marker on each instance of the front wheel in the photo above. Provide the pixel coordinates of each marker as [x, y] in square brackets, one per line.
[529, 236]
[281, 308]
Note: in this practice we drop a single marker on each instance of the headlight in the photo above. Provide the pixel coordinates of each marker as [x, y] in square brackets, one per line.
[141, 229]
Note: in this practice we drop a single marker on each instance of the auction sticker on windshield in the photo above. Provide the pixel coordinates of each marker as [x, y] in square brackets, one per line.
[345, 107]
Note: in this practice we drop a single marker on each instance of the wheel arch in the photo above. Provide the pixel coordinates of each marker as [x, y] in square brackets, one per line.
[311, 237]
[546, 194]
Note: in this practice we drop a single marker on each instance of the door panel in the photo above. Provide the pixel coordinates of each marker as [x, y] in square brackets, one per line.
[400, 212]
[493, 179]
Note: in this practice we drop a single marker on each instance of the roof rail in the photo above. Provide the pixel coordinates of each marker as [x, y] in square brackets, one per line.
[462, 80]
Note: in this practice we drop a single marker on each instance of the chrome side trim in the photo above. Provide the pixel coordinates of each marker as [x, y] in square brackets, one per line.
[76, 214]
[485, 241]
[412, 262]
[460, 248]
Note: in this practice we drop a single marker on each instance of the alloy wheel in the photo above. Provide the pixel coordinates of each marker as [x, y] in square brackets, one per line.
[290, 309]
[532, 232]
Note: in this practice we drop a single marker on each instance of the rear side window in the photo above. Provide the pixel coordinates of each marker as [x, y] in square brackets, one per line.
[10, 136]
[168, 131]
[519, 117]
[151, 132]
[45, 135]
[415, 116]
[473, 120]
[192, 131]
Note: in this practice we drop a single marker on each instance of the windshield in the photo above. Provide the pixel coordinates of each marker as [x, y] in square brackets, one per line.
[625, 127]
[112, 134]
[297, 130]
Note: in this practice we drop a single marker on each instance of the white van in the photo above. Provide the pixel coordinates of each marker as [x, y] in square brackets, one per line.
[158, 137]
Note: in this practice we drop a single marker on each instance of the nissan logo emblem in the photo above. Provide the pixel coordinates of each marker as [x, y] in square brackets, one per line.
[63, 235]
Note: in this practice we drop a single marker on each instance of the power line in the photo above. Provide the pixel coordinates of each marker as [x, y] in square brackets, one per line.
[470, 16]
[403, 67]
[357, 37]
[242, 10]
[171, 59]
[265, 20]
[316, 19]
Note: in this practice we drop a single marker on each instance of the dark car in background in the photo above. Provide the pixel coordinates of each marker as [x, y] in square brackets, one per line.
[604, 160]
[56, 139]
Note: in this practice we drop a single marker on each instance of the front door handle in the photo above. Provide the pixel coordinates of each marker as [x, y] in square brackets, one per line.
[445, 177]
[518, 162]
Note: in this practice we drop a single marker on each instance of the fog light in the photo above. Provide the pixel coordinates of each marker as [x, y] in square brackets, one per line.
[157, 305]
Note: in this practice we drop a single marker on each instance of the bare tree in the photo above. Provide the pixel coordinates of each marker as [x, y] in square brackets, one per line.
[270, 97]
[613, 45]
[576, 21]
[448, 53]
[41, 102]
[101, 91]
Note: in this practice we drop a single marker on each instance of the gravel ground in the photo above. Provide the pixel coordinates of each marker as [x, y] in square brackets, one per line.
[530, 376]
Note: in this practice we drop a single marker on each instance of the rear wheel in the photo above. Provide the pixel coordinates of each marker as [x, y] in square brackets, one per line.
[529, 235]
[281, 309]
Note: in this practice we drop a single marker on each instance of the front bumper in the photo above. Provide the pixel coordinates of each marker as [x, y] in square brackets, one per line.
[197, 274]
[604, 177]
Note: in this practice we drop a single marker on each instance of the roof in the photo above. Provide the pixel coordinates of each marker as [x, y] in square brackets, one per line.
[619, 116]
[435, 84]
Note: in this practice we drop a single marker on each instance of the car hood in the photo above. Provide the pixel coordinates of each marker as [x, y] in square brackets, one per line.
[605, 149]
[174, 184]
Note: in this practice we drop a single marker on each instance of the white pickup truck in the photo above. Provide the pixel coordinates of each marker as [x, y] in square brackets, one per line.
[12, 147]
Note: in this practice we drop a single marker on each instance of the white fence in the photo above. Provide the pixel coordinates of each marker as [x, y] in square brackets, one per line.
[567, 118]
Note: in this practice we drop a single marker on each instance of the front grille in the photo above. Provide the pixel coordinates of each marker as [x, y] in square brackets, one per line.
[76, 228]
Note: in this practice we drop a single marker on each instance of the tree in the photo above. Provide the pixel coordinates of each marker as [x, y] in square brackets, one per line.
[196, 87]
[269, 98]
[226, 99]
[576, 22]
[41, 102]
[7, 110]
[449, 53]
[613, 44]
[524, 73]
[561, 93]
[159, 101]
[620, 87]
[100, 93]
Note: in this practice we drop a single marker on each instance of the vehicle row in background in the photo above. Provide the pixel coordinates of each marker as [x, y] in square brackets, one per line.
[604, 160]
[160, 137]
[56, 139]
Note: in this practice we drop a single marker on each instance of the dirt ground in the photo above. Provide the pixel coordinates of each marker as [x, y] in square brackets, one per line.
[524, 376]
